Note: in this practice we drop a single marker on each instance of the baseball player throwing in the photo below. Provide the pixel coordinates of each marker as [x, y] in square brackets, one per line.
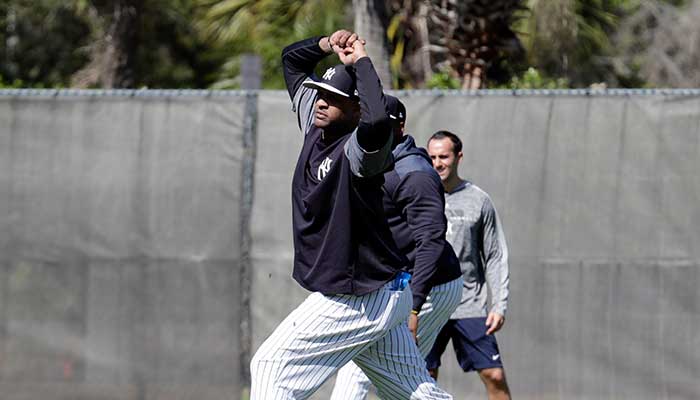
[343, 249]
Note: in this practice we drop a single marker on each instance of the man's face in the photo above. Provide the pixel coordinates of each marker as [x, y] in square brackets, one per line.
[333, 109]
[445, 161]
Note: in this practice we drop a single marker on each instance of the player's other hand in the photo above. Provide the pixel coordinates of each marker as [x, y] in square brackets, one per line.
[495, 322]
[348, 46]
[413, 326]
[350, 55]
[358, 49]
[341, 39]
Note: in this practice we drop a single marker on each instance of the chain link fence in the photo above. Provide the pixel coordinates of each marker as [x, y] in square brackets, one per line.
[145, 238]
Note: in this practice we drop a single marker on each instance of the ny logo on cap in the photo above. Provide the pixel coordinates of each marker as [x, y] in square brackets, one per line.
[329, 73]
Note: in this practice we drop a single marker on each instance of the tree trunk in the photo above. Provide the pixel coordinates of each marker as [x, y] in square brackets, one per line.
[112, 63]
[119, 69]
[472, 79]
[424, 38]
[370, 24]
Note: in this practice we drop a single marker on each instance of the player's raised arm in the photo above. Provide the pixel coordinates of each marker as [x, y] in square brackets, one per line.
[299, 60]
[369, 149]
[374, 128]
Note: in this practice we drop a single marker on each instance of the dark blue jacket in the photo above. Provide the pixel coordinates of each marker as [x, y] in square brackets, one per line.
[414, 203]
[342, 241]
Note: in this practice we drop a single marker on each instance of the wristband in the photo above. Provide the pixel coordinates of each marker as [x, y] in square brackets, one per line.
[414, 312]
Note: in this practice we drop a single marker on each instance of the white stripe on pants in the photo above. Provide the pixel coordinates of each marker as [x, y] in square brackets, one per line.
[352, 384]
[325, 332]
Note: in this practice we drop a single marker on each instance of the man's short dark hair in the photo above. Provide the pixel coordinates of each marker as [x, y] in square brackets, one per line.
[456, 143]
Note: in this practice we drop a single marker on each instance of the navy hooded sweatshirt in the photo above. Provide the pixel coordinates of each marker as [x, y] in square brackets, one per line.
[414, 203]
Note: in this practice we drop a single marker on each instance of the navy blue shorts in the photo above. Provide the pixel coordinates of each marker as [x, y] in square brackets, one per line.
[474, 349]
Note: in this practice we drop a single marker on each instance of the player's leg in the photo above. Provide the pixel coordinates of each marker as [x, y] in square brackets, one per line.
[495, 381]
[440, 304]
[396, 368]
[432, 360]
[478, 351]
[318, 337]
[352, 384]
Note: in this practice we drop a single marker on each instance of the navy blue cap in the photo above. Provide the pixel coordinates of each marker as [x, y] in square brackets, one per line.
[395, 108]
[339, 80]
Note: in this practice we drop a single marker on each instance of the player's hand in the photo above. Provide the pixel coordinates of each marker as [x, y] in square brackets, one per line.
[342, 39]
[358, 49]
[413, 326]
[350, 55]
[348, 46]
[495, 322]
[345, 56]
[339, 38]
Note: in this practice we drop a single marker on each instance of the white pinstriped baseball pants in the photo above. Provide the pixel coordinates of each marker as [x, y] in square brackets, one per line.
[325, 332]
[352, 384]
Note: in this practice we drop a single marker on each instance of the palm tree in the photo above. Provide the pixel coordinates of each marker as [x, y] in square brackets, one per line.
[136, 43]
[264, 27]
[371, 18]
[115, 25]
[573, 38]
[462, 38]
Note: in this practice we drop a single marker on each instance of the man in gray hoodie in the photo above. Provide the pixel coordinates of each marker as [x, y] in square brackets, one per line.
[474, 231]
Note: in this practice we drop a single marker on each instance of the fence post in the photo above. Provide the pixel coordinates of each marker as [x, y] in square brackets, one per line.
[250, 80]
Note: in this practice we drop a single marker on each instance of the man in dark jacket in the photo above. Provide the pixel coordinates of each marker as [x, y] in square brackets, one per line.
[415, 210]
[343, 249]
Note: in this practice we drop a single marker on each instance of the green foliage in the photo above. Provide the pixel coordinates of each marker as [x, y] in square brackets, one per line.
[574, 39]
[42, 42]
[181, 43]
[265, 27]
[172, 53]
[199, 43]
[533, 79]
[16, 84]
[463, 39]
[442, 80]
